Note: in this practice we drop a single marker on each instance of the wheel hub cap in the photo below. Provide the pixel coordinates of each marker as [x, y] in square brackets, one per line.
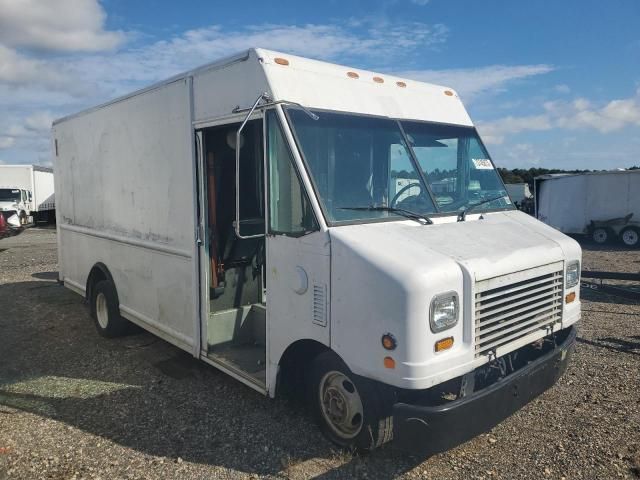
[102, 314]
[341, 404]
[630, 237]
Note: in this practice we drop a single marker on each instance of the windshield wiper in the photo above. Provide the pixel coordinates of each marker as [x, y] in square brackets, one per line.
[463, 214]
[422, 219]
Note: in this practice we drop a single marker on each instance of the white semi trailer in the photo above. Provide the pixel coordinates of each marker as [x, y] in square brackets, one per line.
[602, 205]
[250, 212]
[26, 192]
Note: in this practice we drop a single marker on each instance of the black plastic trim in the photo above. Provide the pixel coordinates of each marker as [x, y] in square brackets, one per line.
[427, 430]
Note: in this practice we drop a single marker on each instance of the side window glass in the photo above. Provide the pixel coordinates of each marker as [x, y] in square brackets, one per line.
[290, 212]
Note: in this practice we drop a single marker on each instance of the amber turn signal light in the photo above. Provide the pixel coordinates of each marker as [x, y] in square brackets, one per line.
[443, 344]
[389, 362]
[570, 297]
[389, 342]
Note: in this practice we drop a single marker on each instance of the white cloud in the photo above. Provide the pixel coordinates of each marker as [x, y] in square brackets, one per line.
[6, 142]
[60, 25]
[495, 132]
[39, 122]
[108, 74]
[562, 88]
[36, 85]
[578, 114]
[469, 82]
[523, 154]
[20, 71]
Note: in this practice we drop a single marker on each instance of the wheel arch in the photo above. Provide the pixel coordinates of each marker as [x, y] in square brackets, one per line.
[98, 273]
[292, 363]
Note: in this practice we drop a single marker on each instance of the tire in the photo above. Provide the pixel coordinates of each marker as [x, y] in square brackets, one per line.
[630, 237]
[600, 235]
[352, 412]
[105, 310]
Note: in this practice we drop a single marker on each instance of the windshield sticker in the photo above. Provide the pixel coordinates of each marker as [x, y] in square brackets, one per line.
[482, 163]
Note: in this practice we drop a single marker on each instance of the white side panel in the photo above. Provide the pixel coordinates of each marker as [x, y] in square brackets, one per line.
[125, 197]
[298, 276]
[562, 203]
[570, 203]
[43, 191]
[15, 176]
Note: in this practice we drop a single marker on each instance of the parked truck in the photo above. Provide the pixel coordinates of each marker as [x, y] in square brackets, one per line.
[602, 205]
[26, 194]
[276, 217]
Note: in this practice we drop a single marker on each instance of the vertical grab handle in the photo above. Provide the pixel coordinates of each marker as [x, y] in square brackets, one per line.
[263, 96]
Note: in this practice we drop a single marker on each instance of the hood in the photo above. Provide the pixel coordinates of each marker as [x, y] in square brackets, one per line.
[498, 244]
[4, 205]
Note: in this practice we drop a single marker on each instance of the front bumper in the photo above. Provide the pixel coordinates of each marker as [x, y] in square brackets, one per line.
[427, 430]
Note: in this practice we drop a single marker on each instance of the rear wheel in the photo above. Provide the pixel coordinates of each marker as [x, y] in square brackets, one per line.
[600, 235]
[630, 237]
[352, 412]
[105, 310]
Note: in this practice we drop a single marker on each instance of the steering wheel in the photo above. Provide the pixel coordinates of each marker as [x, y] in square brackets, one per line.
[393, 201]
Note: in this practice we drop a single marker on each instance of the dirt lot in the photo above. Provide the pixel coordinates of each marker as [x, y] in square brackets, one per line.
[75, 405]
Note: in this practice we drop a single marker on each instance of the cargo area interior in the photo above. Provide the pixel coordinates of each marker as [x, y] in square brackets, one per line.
[236, 327]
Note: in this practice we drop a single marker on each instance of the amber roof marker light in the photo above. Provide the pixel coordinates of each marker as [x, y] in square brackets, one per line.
[448, 93]
[353, 75]
[281, 61]
[378, 79]
[401, 84]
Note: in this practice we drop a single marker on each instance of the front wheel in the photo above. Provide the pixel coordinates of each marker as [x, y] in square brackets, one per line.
[352, 412]
[630, 237]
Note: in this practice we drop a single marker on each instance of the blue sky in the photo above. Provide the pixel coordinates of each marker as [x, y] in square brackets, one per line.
[549, 84]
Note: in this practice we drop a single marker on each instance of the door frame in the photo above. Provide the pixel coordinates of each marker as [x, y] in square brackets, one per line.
[204, 282]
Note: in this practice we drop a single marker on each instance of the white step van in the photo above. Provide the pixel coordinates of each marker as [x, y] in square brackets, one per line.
[293, 222]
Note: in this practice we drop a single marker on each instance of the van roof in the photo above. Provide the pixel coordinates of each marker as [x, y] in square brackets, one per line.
[328, 86]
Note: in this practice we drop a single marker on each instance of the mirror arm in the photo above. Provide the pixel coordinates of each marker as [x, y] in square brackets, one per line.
[263, 96]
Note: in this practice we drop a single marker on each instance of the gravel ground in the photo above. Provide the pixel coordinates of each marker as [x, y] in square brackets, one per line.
[76, 405]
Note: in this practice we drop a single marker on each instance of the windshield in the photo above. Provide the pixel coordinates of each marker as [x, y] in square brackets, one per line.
[9, 195]
[359, 161]
[456, 166]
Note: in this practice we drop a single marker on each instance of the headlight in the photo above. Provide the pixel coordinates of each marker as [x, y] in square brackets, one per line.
[443, 313]
[572, 277]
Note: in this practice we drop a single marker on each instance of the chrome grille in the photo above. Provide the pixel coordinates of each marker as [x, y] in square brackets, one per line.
[512, 307]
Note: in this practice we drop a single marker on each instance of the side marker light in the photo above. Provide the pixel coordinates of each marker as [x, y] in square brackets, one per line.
[443, 344]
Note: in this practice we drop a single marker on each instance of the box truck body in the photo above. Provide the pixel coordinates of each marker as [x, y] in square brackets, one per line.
[604, 205]
[274, 216]
[26, 191]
